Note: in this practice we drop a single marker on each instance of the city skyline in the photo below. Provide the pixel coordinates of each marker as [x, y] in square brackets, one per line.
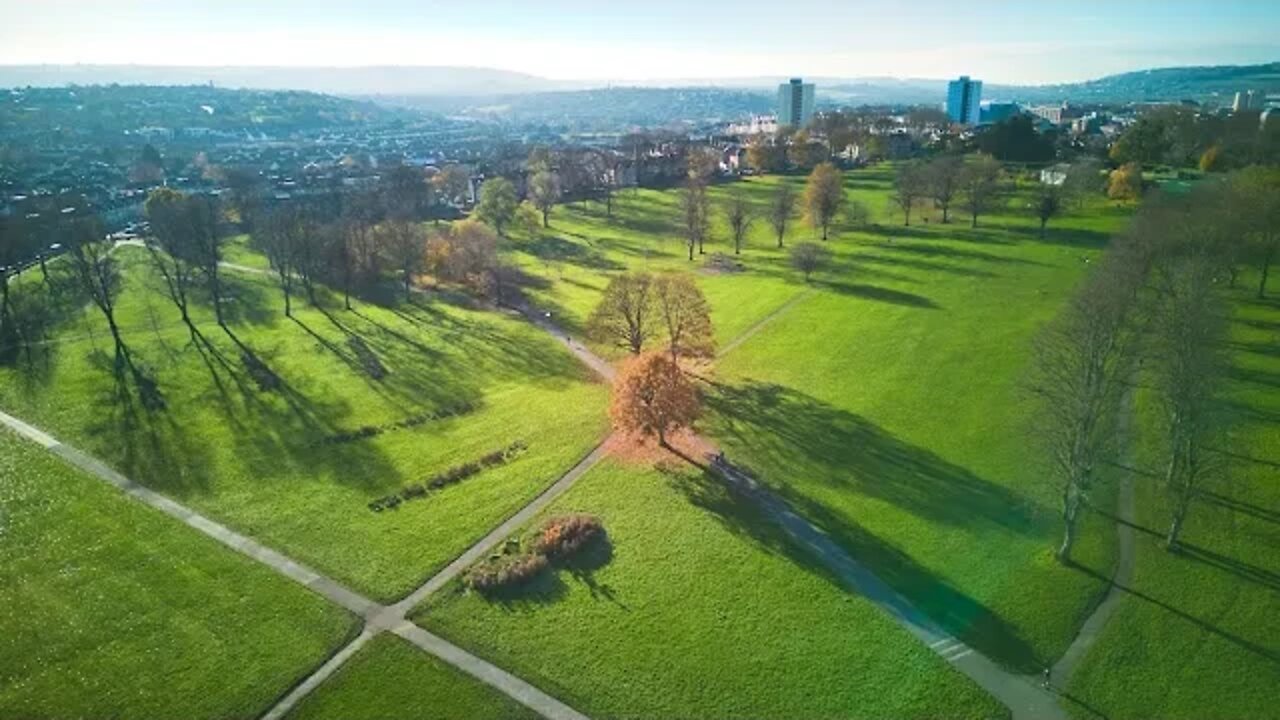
[573, 40]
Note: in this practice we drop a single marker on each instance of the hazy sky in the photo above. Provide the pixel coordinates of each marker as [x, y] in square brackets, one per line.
[1028, 41]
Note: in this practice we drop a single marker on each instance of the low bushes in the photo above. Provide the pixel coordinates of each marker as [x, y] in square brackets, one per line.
[563, 536]
[452, 476]
[504, 572]
[557, 540]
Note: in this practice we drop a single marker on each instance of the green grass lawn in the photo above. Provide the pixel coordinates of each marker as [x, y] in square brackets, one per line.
[389, 679]
[110, 609]
[257, 459]
[699, 607]
[886, 406]
[1197, 636]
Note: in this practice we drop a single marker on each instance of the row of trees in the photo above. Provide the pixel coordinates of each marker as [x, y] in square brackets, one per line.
[1184, 136]
[1159, 294]
[640, 308]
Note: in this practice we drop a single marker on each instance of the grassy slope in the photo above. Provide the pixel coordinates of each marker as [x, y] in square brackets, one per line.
[886, 405]
[1198, 636]
[389, 679]
[701, 608]
[109, 609]
[249, 457]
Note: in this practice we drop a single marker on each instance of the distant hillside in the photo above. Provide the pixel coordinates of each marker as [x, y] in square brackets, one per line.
[601, 109]
[1205, 84]
[109, 111]
[429, 80]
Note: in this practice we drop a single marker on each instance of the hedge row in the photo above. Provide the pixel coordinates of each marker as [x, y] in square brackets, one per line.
[557, 539]
[452, 476]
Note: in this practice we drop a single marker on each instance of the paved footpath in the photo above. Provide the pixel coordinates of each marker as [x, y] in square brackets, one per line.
[1023, 695]
[378, 618]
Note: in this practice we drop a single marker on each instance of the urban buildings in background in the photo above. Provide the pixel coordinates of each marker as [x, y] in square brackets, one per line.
[964, 98]
[1247, 100]
[795, 103]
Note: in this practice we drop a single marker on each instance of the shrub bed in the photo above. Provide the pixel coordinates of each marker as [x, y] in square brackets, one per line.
[452, 476]
[504, 572]
[563, 536]
[557, 540]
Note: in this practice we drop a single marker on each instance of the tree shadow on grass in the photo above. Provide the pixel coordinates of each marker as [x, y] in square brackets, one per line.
[1244, 643]
[550, 248]
[947, 607]
[878, 294]
[937, 250]
[550, 585]
[788, 429]
[892, 260]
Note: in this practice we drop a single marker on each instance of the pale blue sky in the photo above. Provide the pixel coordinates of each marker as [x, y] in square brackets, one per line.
[999, 41]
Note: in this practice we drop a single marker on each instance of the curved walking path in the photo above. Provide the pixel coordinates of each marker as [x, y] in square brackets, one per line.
[378, 618]
[1123, 576]
[1023, 695]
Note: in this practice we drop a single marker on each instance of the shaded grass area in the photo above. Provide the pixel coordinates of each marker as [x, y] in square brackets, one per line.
[110, 609]
[698, 606]
[1197, 635]
[244, 413]
[887, 409]
[389, 679]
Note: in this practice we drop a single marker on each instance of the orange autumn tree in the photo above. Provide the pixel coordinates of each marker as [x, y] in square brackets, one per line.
[652, 398]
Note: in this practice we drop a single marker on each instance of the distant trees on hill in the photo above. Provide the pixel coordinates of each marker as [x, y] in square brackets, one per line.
[1185, 137]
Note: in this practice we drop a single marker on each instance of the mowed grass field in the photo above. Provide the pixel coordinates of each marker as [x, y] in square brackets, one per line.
[698, 606]
[1197, 635]
[265, 461]
[885, 403]
[110, 609]
[389, 679]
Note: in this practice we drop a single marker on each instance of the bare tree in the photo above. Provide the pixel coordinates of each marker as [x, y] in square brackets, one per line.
[910, 185]
[625, 315]
[1047, 206]
[695, 215]
[173, 216]
[280, 236]
[979, 186]
[782, 207]
[1190, 328]
[809, 258]
[1081, 362]
[96, 272]
[740, 215]
[685, 313]
[943, 180]
[404, 244]
[1257, 191]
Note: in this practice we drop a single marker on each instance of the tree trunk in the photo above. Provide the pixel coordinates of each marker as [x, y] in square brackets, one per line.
[824, 232]
[906, 218]
[1179, 515]
[288, 304]
[545, 222]
[1266, 269]
[1070, 509]
[44, 270]
[701, 251]
[215, 291]
[974, 224]
[780, 239]
[945, 219]
[690, 252]
[1043, 222]
[737, 246]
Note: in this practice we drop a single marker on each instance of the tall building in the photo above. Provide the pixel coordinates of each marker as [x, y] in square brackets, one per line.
[1247, 100]
[795, 103]
[964, 99]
